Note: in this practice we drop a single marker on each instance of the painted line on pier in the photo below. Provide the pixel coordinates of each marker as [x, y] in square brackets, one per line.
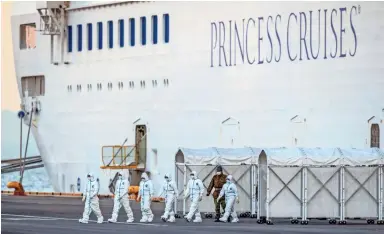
[43, 218]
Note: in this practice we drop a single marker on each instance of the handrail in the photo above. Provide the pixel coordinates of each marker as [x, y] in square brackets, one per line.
[126, 139]
[136, 159]
[119, 155]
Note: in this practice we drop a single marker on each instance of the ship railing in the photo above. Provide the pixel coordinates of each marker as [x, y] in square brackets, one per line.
[118, 156]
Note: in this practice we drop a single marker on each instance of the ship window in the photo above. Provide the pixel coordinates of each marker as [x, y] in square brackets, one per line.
[166, 82]
[166, 28]
[121, 32]
[132, 31]
[143, 21]
[154, 83]
[375, 136]
[79, 37]
[142, 83]
[27, 36]
[89, 27]
[100, 35]
[69, 39]
[120, 84]
[32, 86]
[154, 29]
[110, 34]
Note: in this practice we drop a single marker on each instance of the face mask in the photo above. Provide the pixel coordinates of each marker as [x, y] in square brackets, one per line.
[192, 176]
[218, 173]
[228, 181]
[142, 179]
[120, 176]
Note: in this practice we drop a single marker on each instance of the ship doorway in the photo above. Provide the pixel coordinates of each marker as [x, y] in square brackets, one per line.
[141, 143]
[375, 135]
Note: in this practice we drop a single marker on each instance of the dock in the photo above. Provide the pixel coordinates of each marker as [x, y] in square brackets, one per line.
[60, 215]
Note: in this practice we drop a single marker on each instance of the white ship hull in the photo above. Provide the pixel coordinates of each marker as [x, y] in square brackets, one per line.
[308, 102]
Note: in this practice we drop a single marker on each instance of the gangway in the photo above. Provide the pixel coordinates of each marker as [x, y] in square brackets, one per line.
[12, 165]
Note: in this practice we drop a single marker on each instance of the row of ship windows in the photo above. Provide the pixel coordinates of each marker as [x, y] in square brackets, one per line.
[120, 85]
[131, 30]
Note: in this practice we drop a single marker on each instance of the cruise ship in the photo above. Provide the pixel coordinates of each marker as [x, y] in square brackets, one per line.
[110, 85]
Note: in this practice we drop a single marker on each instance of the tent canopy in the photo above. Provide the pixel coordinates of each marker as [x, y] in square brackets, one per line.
[215, 156]
[281, 156]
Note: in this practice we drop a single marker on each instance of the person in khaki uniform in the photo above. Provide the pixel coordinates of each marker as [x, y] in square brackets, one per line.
[217, 182]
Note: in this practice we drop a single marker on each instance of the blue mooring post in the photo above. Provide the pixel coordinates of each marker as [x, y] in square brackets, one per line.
[21, 115]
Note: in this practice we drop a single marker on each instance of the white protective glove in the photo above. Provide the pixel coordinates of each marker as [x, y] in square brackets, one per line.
[237, 200]
[201, 197]
[83, 199]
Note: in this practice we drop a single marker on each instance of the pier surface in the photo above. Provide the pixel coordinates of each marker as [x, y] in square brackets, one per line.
[60, 215]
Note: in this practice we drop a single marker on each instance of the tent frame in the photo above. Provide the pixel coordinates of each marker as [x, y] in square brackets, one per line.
[306, 169]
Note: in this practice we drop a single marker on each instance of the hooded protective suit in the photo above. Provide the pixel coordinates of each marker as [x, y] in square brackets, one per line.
[195, 189]
[121, 198]
[91, 200]
[146, 193]
[169, 189]
[230, 192]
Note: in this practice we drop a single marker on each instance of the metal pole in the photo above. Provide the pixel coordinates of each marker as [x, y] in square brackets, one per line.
[21, 115]
[21, 141]
[26, 147]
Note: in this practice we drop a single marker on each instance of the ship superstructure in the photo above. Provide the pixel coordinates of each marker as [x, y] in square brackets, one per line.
[165, 75]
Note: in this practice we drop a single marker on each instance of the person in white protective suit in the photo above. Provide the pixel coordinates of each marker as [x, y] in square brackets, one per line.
[195, 190]
[121, 198]
[146, 193]
[91, 199]
[230, 192]
[170, 190]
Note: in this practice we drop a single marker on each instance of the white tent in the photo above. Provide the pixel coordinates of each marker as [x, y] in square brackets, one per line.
[293, 182]
[216, 156]
[320, 182]
[239, 162]
[323, 156]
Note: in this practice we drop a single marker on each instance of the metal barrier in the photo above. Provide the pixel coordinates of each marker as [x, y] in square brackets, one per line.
[333, 192]
[119, 156]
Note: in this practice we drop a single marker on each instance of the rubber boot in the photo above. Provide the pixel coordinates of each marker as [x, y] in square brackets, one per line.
[217, 217]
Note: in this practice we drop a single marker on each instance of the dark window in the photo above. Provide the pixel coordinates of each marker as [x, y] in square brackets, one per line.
[100, 35]
[27, 36]
[121, 33]
[154, 29]
[143, 21]
[166, 28]
[110, 34]
[34, 85]
[79, 37]
[375, 136]
[89, 27]
[132, 31]
[69, 38]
